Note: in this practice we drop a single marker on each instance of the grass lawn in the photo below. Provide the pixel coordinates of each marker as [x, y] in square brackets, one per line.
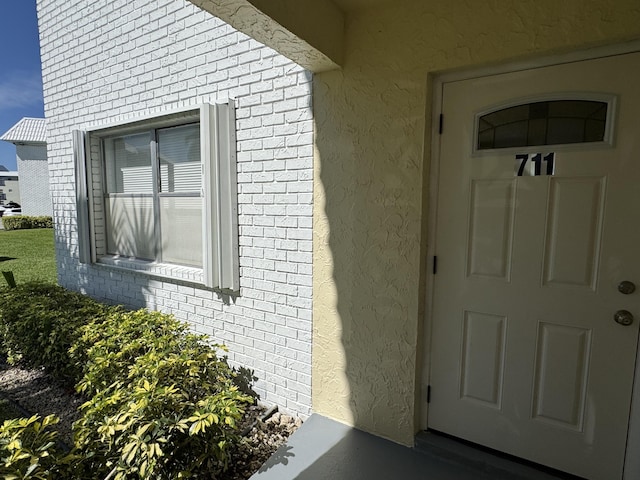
[29, 254]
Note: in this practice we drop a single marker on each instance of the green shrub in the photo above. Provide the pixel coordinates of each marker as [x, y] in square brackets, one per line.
[164, 405]
[109, 346]
[39, 322]
[22, 222]
[28, 449]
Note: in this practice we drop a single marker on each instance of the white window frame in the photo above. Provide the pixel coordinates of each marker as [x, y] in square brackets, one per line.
[220, 269]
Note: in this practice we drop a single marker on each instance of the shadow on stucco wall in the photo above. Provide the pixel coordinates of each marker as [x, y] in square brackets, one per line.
[369, 242]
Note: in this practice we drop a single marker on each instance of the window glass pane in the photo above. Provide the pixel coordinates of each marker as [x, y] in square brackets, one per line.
[179, 153]
[543, 123]
[128, 164]
[485, 138]
[561, 129]
[593, 130]
[130, 227]
[510, 134]
[578, 109]
[181, 220]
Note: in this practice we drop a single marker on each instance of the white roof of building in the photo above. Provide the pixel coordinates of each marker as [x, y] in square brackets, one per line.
[27, 130]
[9, 173]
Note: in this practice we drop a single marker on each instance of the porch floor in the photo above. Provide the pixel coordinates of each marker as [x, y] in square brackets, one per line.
[323, 449]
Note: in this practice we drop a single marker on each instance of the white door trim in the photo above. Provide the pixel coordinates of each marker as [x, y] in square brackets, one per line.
[632, 462]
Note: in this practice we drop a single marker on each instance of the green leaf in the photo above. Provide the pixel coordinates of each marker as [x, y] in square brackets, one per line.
[143, 469]
[32, 468]
[14, 445]
[195, 428]
[143, 429]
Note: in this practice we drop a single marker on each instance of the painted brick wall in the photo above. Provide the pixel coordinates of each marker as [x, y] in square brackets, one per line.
[34, 179]
[109, 61]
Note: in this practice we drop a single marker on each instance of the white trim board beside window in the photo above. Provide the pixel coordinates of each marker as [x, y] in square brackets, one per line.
[159, 195]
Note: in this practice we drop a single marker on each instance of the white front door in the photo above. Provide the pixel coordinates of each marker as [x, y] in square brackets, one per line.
[538, 223]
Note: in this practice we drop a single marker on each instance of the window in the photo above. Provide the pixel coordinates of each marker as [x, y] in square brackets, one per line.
[162, 196]
[153, 181]
[548, 122]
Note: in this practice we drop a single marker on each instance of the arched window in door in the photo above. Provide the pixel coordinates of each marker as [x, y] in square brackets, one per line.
[548, 122]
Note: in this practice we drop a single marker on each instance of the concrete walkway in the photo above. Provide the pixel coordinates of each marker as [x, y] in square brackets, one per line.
[323, 449]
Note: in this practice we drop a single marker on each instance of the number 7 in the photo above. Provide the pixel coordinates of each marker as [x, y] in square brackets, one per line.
[523, 157]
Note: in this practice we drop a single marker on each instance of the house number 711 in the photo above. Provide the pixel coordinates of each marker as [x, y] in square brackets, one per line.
[530, 165]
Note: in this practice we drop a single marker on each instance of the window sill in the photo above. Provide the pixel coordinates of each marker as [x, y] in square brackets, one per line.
[155, 269]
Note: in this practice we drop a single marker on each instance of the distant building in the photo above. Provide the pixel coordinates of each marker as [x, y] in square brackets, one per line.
[9, 186]
[29, 137]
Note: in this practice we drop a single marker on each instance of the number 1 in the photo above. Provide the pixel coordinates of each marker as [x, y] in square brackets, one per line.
[549, 158]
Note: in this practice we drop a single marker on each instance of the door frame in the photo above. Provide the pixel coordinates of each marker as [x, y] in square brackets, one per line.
[632, 462]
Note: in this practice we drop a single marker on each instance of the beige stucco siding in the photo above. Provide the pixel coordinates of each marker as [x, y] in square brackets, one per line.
[372, 160]
[371, 164]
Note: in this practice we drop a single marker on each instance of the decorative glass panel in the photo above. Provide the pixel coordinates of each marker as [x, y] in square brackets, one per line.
[179, 153]
[550, 122]
[128, 164]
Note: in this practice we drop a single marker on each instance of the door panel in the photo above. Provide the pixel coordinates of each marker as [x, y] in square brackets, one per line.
[562, 369]
[483, 344]
[491, 210]
[574, 228]
[525, 355]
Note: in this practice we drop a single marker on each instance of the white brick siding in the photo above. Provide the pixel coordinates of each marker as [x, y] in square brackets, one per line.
[105, 62]
[34, 179]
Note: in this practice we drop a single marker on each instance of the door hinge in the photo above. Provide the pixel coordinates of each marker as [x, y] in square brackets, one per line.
[435, 264]
[441, 123]
[428, 393]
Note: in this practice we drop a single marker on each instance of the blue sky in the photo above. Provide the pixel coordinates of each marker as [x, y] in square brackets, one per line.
[20, 72]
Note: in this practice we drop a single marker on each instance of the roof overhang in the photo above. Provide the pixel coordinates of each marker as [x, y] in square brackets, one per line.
[309, 32]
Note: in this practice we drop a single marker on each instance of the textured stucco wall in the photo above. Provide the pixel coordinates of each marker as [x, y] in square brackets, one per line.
[371, 178]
